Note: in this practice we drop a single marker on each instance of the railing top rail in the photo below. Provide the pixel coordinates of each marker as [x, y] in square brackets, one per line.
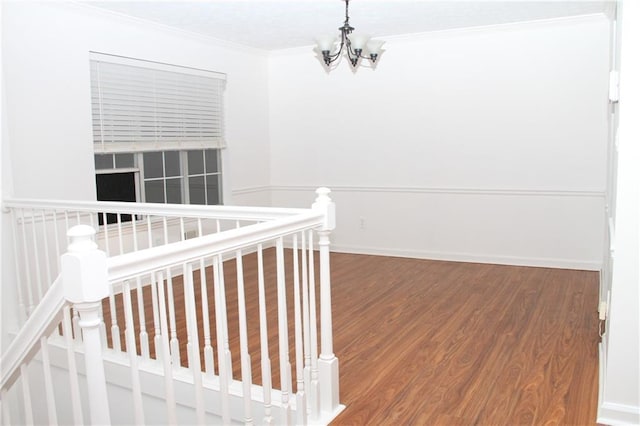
[177, 210]
[41, 322]
[129, 265]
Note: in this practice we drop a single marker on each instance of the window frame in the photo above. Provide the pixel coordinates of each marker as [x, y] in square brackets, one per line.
[185, 193]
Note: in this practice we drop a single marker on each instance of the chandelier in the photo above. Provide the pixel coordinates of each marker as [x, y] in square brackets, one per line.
[355, 46]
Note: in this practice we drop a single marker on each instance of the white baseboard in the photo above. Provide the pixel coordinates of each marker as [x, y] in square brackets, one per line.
[610, 413]
[471, 257]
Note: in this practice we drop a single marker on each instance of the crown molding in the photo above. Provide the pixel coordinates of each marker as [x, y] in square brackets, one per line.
[457, 32]
[202, 38]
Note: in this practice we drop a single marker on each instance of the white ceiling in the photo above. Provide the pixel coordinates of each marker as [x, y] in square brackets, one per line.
[280, 24]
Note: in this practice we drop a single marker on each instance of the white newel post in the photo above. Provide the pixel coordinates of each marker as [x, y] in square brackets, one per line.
[84, 274]
[327, 362]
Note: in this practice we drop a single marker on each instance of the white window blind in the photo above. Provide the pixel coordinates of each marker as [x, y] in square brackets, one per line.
[146, 106]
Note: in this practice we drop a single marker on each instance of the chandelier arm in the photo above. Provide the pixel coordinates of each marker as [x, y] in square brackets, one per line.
[335, 56]
[352, 54]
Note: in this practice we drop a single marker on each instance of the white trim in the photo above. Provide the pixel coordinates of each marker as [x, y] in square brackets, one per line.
[156, 209]
[173, 31]
[251, 190]
[472, 258]
[117, 374]
[452, 190]
[507, 26]
[455, 32]
[611, 413]
[602, 367]
[161, 66]
[117, 170]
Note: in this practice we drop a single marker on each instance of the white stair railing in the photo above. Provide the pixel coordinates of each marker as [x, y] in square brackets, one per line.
[203, 285]
[82, 284]
[40, 226]
[84, 275]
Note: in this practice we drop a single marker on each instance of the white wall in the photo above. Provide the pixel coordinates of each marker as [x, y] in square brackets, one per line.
[482, 144]
[47, 150]
[46, 58]
[620, 352]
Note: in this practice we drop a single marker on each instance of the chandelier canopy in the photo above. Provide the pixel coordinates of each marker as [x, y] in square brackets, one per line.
[355, 46]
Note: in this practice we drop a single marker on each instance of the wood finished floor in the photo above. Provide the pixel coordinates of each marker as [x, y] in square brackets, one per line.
[443, 343]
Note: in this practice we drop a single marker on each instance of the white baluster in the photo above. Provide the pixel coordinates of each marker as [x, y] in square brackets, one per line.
[314, 392]
[283, 334]
[4, 406]
[264, 341]
[173, 342]
[208, 350]
[105, 227]
[134, 232]
[120, 240]
[157, 334]
[26, 394]
[328, 363]
[143, 335]
[103, 327]
[166, 356]
[48, 382]
[46, 250]
[73, 370]
[225, 323]
[22, 308]
[245, 358]
[149, 232]
[224, 368]
[165, 230]
[56, 235]
[115, 329]
[301, 398]
[75, 322]
[36, 255]
[25, 256]
[129, 332]
[84, 273]
[193, 343]
[305, 315]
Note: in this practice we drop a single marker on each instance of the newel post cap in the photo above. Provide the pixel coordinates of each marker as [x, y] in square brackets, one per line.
[84, 267]
[325, 205]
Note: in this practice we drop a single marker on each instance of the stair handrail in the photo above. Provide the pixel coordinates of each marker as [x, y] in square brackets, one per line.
[178, 210]
[131, 264]
[41, 323]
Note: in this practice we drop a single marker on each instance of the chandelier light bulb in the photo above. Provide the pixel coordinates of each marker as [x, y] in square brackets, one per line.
[326, 43]
[359, 41]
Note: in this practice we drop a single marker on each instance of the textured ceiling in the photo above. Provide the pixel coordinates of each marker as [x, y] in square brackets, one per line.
[280, 24]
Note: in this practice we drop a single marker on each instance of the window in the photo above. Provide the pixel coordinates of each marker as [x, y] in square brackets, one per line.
[188, 177]
[158, 131]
